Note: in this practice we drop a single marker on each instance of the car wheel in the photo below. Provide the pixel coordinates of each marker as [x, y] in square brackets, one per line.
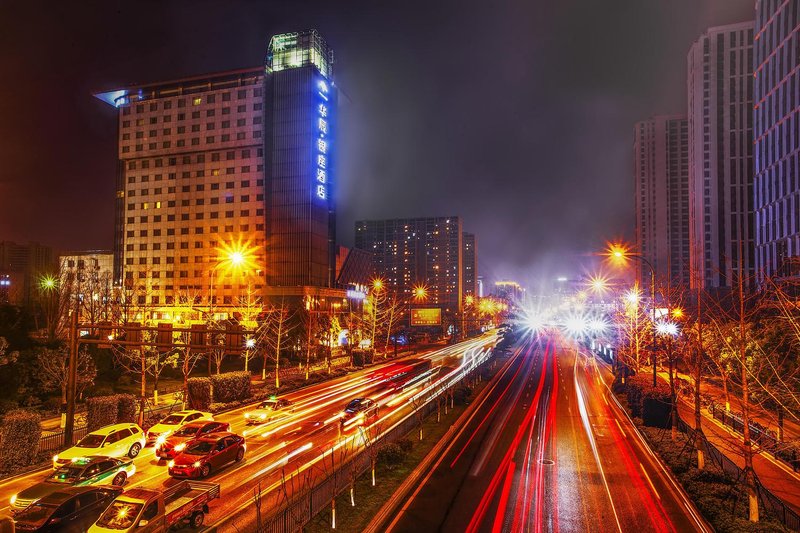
[197, 520]
[205, 471]
[240, 455]
[135, 449]
[119, 479]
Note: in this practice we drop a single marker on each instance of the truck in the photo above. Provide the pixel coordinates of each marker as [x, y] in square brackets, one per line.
[153, 511]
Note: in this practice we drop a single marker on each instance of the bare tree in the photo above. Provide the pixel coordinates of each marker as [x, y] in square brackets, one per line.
[53, 371]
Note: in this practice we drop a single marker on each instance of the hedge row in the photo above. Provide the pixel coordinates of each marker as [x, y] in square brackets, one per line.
[113, 409]
[226, 388]
[644, 400]
[231, 387]
[19, 439]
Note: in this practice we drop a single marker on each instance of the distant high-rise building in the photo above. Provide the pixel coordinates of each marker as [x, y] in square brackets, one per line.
[469, 275]
[225, 181]
[776, 136]
[21, 268]
[660, 153]
[480, 287]
[720, 91]
[411, 252]
[89, 276]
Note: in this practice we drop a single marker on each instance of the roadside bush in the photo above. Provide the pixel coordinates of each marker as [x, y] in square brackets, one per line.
[19, 439]
[199, 393]
[639, 388]
[406, 445]
[391, 456]
[461, 395]
[101, 411]
[231, 387]
[127, 408]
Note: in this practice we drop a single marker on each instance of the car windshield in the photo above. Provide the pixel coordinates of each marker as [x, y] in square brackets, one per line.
[187, 431]
[171, 420]
[66, 474]
[269, 404]
[91, 441]
[120, 515]
[35, 515]
[201, 447]
[355, 405]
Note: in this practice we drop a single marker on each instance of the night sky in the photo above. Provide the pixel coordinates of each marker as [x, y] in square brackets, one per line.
[517, 116]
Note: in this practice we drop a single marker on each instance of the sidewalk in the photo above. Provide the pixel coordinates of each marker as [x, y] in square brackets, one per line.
[791, 426]
[774, 474]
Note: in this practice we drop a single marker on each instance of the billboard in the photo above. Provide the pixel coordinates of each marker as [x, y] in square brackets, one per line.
[426, 317]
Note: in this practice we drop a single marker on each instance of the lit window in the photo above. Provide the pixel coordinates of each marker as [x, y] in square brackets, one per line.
[197, 101]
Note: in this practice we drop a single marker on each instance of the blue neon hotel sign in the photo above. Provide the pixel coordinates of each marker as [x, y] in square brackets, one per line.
[322, 142]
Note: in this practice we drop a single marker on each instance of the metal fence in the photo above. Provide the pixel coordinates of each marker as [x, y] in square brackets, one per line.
[765, 438]
[54, 441]
[785, 514]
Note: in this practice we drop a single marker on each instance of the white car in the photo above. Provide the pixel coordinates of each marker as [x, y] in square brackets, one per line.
[269, 411]
[172, 423]
[117, 440]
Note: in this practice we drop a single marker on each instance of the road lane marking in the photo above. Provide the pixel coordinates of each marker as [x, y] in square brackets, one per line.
[620, 428]
[649, 481]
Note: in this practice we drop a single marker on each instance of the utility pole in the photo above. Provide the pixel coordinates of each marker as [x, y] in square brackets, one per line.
[72, 378]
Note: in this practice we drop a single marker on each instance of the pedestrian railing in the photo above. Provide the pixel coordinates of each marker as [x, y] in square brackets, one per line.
[54, 441]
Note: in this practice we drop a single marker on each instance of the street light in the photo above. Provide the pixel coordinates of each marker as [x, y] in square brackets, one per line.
[621, 254]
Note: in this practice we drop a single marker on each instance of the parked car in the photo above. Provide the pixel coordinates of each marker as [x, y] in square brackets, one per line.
[269, 411]
[94, 470]
[175, 443]
[69, 510]
[359, 411]
[202, 456]
[172, 422]
[117, 440]
[156, 511]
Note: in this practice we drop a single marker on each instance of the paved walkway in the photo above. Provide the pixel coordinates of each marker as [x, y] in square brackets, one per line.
[774, 474]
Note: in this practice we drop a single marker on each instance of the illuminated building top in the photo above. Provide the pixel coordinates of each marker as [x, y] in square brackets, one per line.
[300, 49]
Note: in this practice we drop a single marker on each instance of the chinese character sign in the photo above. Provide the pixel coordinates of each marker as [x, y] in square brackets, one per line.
[323, 140]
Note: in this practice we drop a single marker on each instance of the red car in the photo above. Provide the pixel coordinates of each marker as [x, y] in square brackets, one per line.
[202, 456]
[176, 442]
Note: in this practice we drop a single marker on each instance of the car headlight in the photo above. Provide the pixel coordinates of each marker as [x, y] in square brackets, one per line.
[180, 447]
[263, 417]
[161, 440]
[247, 415]
[170, 464]
[13, 499]
[55, 458]
[197, 464]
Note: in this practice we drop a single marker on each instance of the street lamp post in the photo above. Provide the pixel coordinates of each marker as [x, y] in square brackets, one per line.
[622, 255]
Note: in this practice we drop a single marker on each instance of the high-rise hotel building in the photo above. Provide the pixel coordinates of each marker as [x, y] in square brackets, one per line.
[469, 276]
[776, 137]
[720, 99]
[225, 181]
[412, 252]
[661, 185]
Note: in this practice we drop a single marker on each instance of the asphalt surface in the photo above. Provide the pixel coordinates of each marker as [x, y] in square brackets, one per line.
[547, 450]
[279, 458]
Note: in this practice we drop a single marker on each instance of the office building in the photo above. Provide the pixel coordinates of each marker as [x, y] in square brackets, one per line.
[469, 276]
[225, 181]
[661, 185]
[720, 99]
[417, 252]
[776, 136]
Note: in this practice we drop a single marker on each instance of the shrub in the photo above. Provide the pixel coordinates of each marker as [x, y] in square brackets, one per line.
[199, 393]
[640, 387]
[19, 439]
[127, 408]
[391, 456]
[231, 387]
[406, 445]
[101, 411]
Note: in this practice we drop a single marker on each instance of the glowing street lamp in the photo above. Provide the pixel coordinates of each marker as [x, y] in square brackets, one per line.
[377, 284]
[620, 254]
[48, 283]
[420, 292]
[667, 328]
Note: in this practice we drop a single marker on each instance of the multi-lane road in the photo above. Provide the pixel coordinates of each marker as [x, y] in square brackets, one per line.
[276, 454]
[547, 449]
